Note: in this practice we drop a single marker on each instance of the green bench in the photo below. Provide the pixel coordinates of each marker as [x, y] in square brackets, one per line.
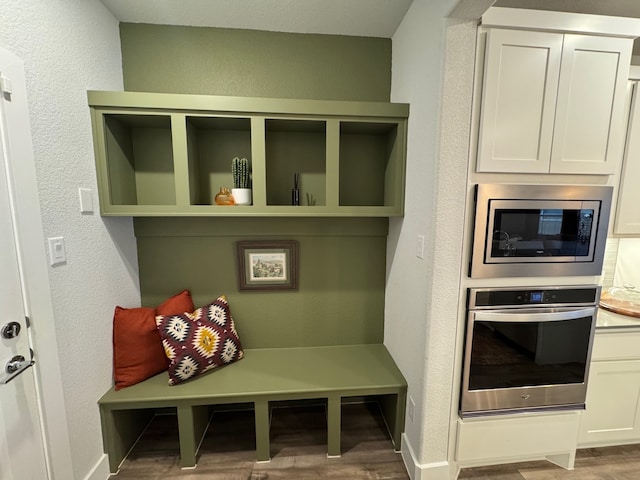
[263, 376]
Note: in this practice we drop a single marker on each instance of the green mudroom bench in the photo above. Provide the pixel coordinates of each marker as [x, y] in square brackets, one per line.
[262, 376]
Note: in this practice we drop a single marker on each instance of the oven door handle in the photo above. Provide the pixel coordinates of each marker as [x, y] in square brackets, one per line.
[533, 316]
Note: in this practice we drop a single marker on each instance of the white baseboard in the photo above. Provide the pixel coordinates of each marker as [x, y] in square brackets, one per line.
[100, 470]
[426, 471]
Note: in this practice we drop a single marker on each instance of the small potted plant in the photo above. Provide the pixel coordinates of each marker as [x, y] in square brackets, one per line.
[241, 190]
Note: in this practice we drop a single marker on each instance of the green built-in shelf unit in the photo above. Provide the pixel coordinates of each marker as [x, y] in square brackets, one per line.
[169, 154]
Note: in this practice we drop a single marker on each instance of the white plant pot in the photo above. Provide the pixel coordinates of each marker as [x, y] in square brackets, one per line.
[242, 196]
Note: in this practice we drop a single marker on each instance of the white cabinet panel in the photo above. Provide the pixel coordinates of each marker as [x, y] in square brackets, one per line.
[612, 415]
[519, 97]
[501, 439]
[589, 125]
[628, 211]
[613, 409]
[552, 102]
[616, 344]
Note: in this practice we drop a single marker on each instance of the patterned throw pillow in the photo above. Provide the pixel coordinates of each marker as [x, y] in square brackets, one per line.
[200, 341]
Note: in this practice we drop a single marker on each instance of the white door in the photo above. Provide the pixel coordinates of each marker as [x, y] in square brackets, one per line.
[22, 455]
[588, 134]
[521, 71]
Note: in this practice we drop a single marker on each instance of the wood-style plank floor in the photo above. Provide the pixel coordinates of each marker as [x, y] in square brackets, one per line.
[610, 463]
[298, 448]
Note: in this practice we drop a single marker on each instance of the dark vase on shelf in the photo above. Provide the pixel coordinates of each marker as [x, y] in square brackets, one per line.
[295, 193]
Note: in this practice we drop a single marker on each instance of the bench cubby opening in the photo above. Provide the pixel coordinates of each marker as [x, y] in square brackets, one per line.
[264, 378]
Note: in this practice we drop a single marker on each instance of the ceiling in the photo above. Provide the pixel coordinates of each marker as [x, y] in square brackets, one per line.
[616, 8]
[367, 18]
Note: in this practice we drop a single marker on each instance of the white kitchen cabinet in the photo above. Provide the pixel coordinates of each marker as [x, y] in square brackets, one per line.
[496, 439]
[552, 102]
[627, 219]
[612, 415]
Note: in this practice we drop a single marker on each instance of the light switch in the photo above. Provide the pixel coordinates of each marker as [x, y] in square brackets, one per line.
[86, 200]
[420, 247]
[57, 254]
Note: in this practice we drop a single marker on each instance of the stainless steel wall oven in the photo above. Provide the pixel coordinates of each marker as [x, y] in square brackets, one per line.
[527, 348]
[539, 230]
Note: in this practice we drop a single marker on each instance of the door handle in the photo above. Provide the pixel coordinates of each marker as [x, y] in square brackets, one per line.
[16, 366]
[11, 330]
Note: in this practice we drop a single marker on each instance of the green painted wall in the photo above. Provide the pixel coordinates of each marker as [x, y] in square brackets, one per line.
[248, 63]
[340, 299]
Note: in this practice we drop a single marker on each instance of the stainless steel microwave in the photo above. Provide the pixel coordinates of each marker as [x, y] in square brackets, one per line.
[539, 230]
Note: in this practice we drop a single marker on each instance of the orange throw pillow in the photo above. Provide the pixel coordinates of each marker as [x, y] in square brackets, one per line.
[176, 304]
[137, 347]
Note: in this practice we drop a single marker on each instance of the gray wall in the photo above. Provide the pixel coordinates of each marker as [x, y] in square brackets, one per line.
[69, 47]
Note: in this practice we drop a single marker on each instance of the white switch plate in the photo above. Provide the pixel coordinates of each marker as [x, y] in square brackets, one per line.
[86, 200]
[420, 247]
[57, 254]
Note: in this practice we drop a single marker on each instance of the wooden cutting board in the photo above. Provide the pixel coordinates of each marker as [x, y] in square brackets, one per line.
[624, 307]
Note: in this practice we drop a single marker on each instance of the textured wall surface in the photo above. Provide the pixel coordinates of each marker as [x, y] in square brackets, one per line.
[441, 376]
[420, 334]
[219, 61]
[69, 47]
[628, 260]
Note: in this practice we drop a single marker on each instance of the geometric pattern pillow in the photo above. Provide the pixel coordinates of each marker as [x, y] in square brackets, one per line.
[200, 341]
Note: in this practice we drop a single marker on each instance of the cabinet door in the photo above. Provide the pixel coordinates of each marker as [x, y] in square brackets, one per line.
[627, 211]
[521, 72]
[613, 411]
[589, 127]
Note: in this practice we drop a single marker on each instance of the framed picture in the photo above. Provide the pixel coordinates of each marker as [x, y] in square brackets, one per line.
[268, 265]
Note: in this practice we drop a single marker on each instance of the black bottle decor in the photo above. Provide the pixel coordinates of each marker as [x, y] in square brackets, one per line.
[295, 193]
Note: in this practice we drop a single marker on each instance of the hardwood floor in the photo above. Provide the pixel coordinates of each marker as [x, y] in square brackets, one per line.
[298, 448]
[610, 463]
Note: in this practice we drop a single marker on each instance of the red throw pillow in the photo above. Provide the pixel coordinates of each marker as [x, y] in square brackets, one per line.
[137, 347]
[179, 303]
[200, 341]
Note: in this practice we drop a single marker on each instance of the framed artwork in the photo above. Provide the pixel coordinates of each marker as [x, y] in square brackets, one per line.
[268, 265]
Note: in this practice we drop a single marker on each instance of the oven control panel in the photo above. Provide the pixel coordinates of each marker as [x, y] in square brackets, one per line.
[519, 297]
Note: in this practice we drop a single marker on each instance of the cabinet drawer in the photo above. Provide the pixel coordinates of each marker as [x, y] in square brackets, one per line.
[616, 345]
[483, 441]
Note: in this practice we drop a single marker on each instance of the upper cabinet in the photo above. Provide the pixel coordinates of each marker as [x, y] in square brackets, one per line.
[627, 217]
[170, 154]
[552, 102]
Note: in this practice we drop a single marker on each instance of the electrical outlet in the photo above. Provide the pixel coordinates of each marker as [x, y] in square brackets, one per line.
[420, 247]
[412, 409]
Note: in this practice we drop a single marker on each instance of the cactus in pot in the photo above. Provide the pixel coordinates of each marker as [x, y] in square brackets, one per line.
[240, 171]
[241, 190]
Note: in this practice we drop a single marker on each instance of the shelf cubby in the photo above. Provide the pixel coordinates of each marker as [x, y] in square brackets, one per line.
[295, 146]
[369, 156]
[212, 143]
[161, 154]
[140, 163]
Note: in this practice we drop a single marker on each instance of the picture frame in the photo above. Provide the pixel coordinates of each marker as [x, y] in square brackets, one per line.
[267, 264]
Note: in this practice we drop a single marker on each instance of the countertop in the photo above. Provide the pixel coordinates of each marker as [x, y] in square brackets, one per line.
[607, 319]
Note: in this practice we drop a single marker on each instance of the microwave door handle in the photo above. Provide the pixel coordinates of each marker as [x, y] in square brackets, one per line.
[502, 316]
